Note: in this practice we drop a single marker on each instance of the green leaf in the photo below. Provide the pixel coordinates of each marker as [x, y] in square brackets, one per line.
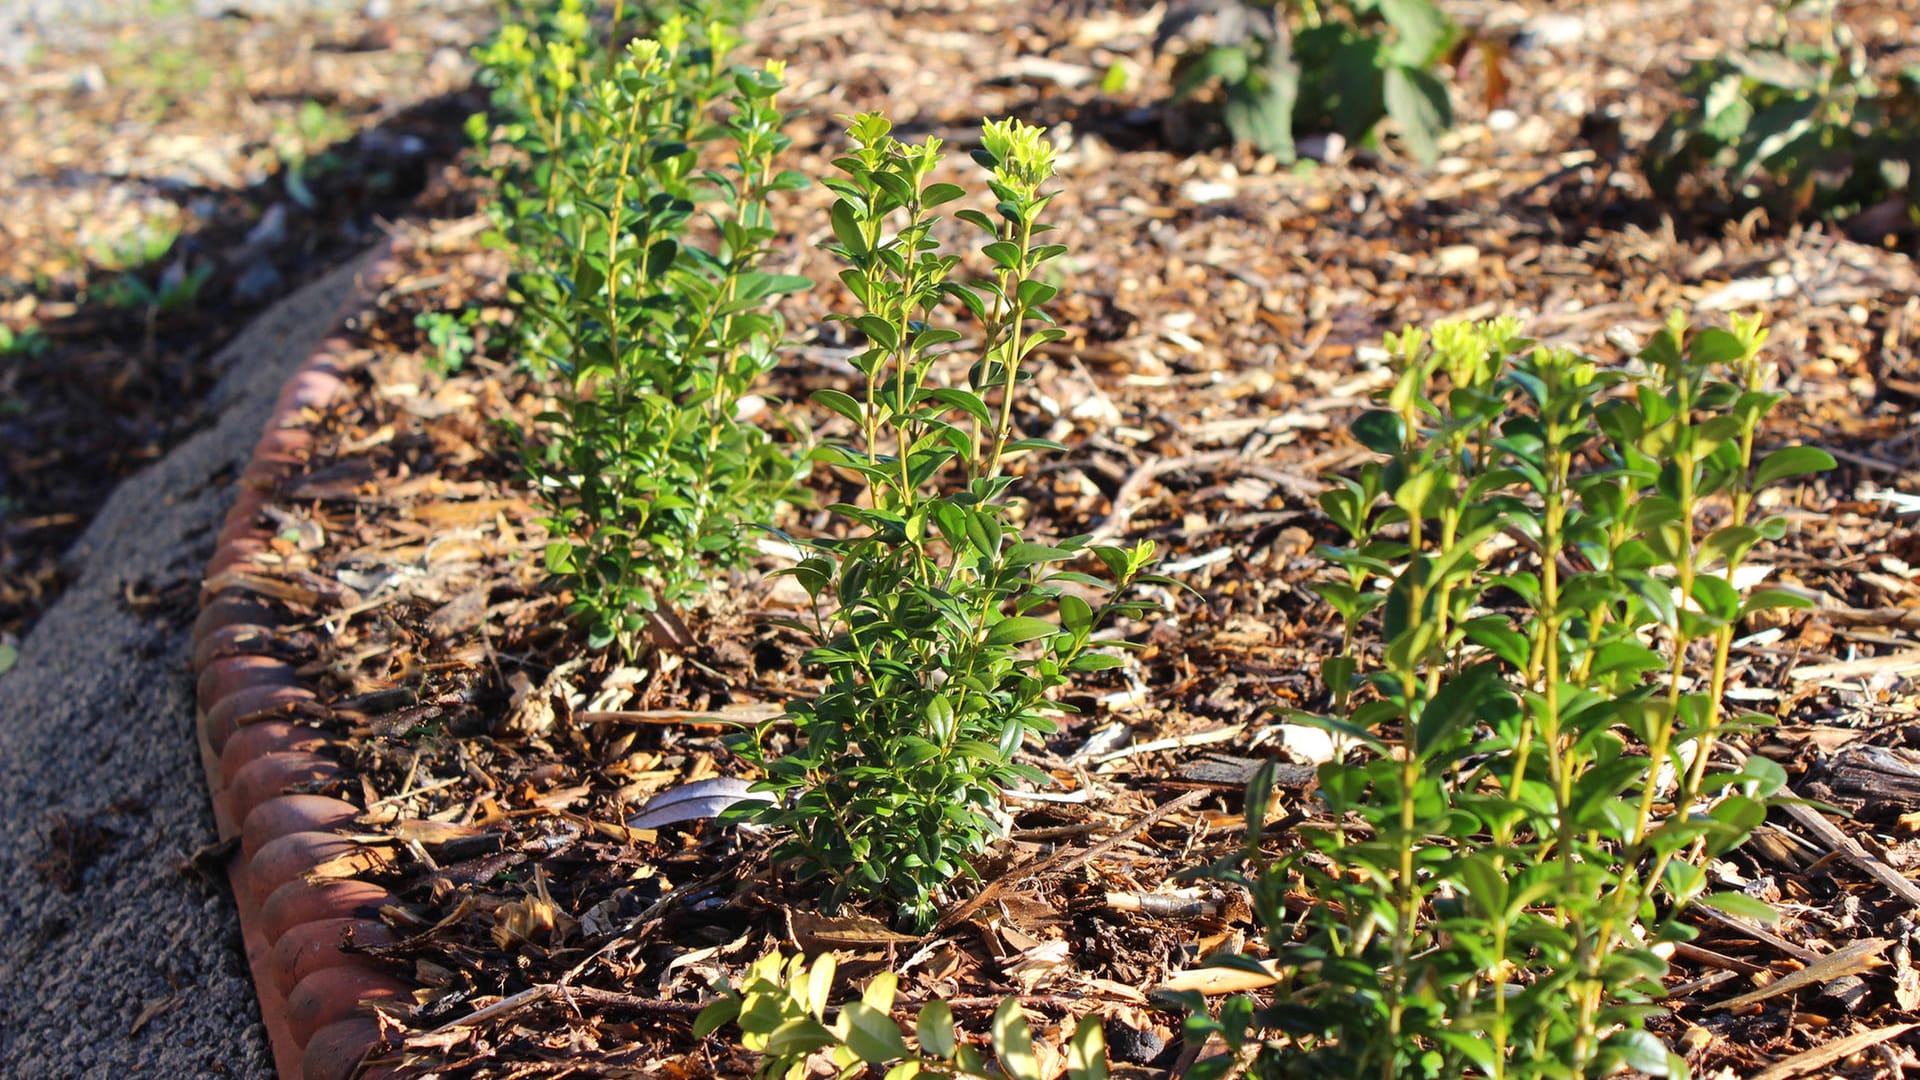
[976, 218]
[1087, 1050]
[1776, 126]
[1762, 599]
[1638, 1049]
[716, 1016]
[1004, 253]
[820, 983]
[934, 1029]
[936, 194]
[761, 286]
[1020, 628]
[1013, 1042]
[963, 400]
[846, 228]
[1380, 431]
[1033, 292]
[798, 1037]
[872, 1034]
[660, 258]
[1422, 28]
[1418, 103]
[1716, 597]
[1027, 554]
[1716, 346]
[1022, 445]
[1075, 614]
[1730, 543]
[1734, 903]
[1791, 461]
[1458, 702]
[1259, 109]
[840, 402]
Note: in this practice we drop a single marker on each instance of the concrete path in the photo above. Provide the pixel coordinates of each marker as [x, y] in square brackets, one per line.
[138, 970]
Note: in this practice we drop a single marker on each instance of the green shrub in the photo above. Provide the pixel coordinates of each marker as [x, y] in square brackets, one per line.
[1539, 599]
[1284, 68]
[637, 201]
[1804, 125]
[939, 628]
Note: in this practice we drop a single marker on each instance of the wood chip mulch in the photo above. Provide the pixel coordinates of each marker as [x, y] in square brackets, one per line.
[1223, 316]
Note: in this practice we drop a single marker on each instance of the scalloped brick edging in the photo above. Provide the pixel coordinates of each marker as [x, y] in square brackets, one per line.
[254, 748]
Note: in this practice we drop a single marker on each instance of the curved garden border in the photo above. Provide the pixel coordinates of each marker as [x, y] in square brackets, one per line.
[255, 747]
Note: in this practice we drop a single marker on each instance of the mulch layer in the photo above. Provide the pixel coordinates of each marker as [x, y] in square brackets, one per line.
[1223, 319]
[166, 178]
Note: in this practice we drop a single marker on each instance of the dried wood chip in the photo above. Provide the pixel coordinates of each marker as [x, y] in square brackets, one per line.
[372, 860]
[1829, 834]
[1900, 663]
[817, 933]
[1819, 1057]
[432, 832]
[471, 512]
[1213, 981]
[460, 614]
[1854, 958]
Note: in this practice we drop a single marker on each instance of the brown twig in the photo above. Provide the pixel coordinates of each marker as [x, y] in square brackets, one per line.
[1065, 859]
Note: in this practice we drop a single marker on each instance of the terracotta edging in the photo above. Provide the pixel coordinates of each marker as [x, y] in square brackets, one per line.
[313, 996]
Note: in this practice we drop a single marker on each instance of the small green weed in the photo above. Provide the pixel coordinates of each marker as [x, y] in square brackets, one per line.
[451, 335]
[1287, 66]
[1539, 599]
[143, 245]
[32, 341]
[171, 291]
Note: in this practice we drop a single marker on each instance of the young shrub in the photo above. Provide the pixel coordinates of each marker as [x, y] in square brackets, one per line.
[939, 628]
[637, 200]
[1282, 68]
[1805, 126]
[781, 1009]
[1540, 596]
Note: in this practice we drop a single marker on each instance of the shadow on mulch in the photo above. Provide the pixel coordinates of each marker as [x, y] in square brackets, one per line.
[105, 391]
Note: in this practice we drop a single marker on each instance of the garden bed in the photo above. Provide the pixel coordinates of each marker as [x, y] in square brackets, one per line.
[1223, 321]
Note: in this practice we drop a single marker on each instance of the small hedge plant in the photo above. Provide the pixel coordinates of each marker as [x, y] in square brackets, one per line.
[1539, 599]
[940, 629]
[636, 190]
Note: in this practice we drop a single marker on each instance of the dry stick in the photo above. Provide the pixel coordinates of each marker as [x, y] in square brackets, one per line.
[1116, 521]
[1849, 849]
[1757, 932]
[747, 715]
[1174, 742]
[511, 1003]
[1820, 1056]
[539, 992]
[1851, 959]
[1065, 859]
[1898, 663]
[1713, 959]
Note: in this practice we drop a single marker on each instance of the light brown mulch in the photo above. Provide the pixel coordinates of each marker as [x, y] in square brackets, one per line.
[1223, 315]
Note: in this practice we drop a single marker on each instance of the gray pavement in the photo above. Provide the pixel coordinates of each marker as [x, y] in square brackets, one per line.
[137, 971]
